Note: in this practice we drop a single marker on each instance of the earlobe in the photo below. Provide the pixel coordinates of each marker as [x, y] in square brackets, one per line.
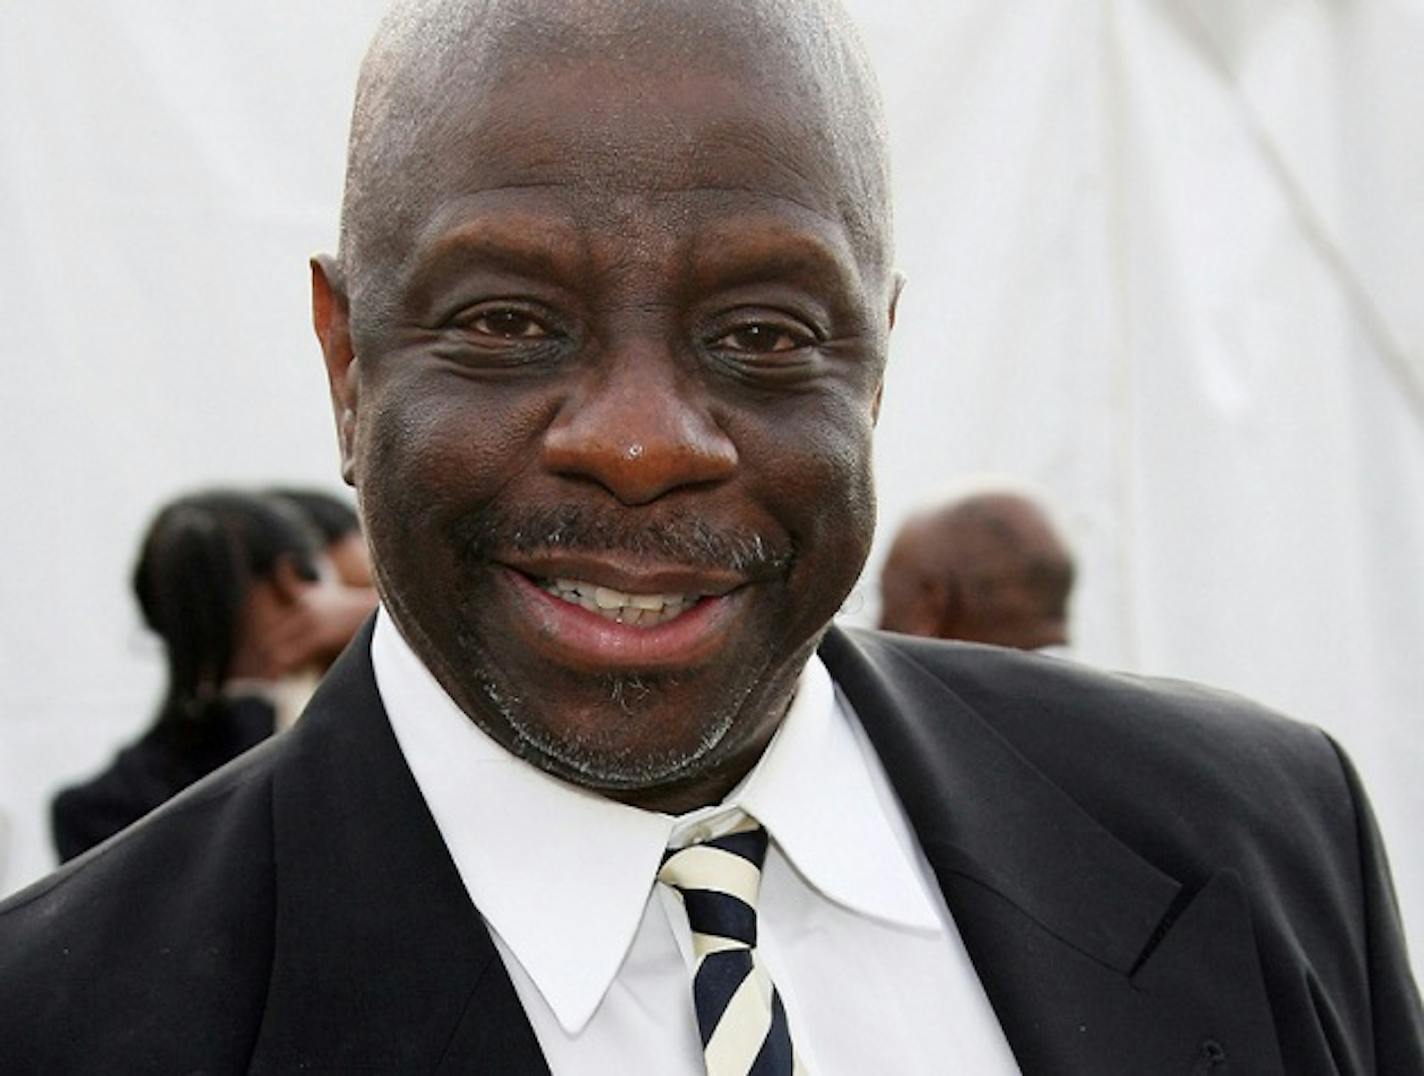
[897, 285]
[346, 436]
[331, 320]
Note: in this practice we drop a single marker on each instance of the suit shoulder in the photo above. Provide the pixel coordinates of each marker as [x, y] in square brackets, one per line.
[1184, 772]
[1027, 697]
[171, 915]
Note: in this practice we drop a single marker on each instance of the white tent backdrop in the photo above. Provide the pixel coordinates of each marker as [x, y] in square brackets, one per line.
[1163, 262]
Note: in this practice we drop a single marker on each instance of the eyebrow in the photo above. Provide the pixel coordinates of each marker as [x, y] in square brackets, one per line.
[747, 247]
[757, 249]
[518, 243]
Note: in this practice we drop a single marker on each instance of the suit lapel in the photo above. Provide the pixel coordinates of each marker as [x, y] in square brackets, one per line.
[1094, 960]
[380, 962]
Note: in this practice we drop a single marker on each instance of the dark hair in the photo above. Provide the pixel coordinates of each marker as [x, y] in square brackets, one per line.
[199, 557]
[333, 516]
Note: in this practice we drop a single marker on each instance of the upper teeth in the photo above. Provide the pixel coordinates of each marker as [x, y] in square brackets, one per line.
[644, 609]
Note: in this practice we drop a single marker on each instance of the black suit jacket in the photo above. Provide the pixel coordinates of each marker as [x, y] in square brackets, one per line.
[1150, 879]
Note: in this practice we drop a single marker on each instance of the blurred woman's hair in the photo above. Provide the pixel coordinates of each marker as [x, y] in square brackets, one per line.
[199, 558]
[333, 516]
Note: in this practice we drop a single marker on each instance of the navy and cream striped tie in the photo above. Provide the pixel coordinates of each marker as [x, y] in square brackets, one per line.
[743, 1023]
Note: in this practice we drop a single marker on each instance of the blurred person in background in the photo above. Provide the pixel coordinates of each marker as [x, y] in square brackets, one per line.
[340, 529]
[986, 567]
[333, 613]
[249, 612]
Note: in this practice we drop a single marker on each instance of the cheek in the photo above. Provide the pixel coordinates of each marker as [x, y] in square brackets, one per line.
[846, 524]
[434, 449]
[446, 430]
[812, 467]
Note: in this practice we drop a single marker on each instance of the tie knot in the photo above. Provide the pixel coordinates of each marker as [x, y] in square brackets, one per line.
[719, 880]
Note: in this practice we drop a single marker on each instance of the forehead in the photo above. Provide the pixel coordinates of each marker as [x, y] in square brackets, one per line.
[691, 158]
[611, 123]
[601, 122]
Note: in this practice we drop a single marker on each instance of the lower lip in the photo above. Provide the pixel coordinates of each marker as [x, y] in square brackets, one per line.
[573, 636]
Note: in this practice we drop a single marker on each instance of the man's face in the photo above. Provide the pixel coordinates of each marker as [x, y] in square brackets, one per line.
[611, 430]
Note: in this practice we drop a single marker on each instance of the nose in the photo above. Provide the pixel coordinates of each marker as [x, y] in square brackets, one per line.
[634, 427]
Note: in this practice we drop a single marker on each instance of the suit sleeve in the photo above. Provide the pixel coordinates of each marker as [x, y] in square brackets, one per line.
[1394, 998]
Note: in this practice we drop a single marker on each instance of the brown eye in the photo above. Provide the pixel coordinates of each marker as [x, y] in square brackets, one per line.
[508, 325]
[761, 339]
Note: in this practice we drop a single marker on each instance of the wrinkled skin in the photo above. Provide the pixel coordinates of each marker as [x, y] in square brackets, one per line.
[658, 356]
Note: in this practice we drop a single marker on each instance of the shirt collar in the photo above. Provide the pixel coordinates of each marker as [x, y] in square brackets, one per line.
[555, 869]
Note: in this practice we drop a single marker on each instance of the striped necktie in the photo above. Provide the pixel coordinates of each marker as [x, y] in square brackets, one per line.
[740, 1015]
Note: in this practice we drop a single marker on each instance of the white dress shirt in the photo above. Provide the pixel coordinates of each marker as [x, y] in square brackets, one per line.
[851, 923]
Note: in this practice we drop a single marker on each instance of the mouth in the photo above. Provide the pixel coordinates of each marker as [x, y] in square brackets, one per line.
[620, 606]
[600, 615]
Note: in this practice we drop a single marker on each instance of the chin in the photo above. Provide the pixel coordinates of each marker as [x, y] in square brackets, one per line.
[628, 734]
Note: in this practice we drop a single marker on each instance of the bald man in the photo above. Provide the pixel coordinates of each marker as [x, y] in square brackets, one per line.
[601, 790]
[987, 567]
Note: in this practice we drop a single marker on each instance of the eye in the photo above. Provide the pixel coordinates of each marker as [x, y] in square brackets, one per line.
[507, 323]
[503, 334]
[762, 338]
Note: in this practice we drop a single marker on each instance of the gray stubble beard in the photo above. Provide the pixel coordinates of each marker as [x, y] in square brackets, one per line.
[582, 762]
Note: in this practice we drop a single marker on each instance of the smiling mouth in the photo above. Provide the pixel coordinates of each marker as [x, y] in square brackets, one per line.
[618, 606]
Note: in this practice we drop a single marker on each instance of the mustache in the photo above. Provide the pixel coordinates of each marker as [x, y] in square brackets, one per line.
[677, 536]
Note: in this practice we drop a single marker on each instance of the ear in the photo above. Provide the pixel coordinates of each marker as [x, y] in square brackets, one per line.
[331, 319]
[897, 285]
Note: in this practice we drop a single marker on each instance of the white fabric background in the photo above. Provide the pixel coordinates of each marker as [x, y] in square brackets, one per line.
[1164, 262]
